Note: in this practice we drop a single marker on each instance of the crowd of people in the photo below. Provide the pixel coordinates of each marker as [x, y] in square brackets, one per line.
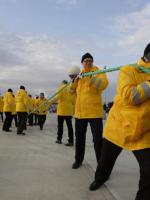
[23, 109]
[127, 125]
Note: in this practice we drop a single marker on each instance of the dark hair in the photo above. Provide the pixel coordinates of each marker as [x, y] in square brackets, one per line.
[10, 90]
[41, 94]
[65, 81]
[87, 55]
[22, 87]
[147, 50]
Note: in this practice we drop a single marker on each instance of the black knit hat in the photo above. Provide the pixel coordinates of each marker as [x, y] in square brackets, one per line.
[10, 90]
[22, 87]
[147, 50]
[87, 55]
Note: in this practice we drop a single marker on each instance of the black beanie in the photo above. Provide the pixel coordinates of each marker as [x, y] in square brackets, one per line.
[65, 81]
[87, 55]
[22, 87]
[147, 50]
[10, 90]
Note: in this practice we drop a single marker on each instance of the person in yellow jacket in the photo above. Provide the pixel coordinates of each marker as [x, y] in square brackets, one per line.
[31, 109]
[88, 109]
[128, 126]
[65, 111]
[1, 107]
[22, 109]
[14, 113]
[8, 104]
[35, 115]
[41, 105]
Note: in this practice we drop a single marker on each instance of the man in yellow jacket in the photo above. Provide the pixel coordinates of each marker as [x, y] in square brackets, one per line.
[41, 107]
[31, 109]
[8, 108]
[128, 125]
[65, 111]
[22, 109]
[88, 109]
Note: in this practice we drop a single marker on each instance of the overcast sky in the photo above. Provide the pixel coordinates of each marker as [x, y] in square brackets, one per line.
[41, 39]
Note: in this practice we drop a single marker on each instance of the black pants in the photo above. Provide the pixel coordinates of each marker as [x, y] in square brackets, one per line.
[7, 121]
[41, 120]
[35, 119]
[109, 155]
[1, 113]
[22, 120]
[30, 119]
[15, 119]
[80, 133]
[68, 120]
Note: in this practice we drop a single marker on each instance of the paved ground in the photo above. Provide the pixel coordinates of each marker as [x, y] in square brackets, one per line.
[34, 167]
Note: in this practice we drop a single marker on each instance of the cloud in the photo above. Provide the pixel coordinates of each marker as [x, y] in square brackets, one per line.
[134, 29]
[35, 61]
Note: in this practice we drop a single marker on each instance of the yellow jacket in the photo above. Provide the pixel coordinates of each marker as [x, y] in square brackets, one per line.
[31, 104]
[21, 101]
[66, 102]
[8, 102]
[1, 104]
[41, 106]
[14, 107]
[88, 90]
[128, 123]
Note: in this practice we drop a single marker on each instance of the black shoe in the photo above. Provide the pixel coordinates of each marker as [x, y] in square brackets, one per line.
[69, 144]
[58, 142]
[94, 186]
[76, 165]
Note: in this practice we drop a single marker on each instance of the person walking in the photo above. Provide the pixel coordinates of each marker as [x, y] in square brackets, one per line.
[8, 105]
[21, 108]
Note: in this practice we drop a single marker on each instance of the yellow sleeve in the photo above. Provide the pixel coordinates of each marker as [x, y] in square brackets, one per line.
[131, 92]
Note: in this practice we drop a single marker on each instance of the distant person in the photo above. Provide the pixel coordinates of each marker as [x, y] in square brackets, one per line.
[88, 108]
[14, 113]
[30, 109]
[8, 104]
[65, 111]
[21, 108]
[35, 115]
[128, 126]
[42, 110]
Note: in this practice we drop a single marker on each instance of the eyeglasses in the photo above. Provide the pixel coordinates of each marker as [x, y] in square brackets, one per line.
[88, 60]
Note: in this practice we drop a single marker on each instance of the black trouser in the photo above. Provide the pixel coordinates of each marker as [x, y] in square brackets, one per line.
[7, 121]
[80, 133]
[41, 120]
[22, 119]
[1, 113]
[35, 119]
[109, 155]
[68, 120]
[15, 119]
[30, 119]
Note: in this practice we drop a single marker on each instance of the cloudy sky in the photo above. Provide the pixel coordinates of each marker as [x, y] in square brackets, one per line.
[41, 39]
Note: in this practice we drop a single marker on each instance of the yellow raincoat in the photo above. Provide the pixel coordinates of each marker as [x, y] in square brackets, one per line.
[21, 101]
[8, 102]
[66, 102]
[128, 123]
[41, 106]
[88, 90]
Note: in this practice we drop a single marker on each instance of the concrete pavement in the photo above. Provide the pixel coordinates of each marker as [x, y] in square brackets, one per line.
[34, 167]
